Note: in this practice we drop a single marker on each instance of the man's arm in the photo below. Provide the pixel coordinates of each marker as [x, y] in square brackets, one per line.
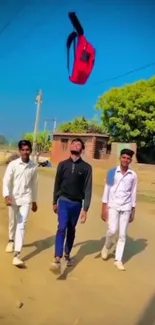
[105, 200]
[134, 192]
[57, 184]
[133, 198]
[105, 196]
[88, 190]
[7, 180]
[35, 185]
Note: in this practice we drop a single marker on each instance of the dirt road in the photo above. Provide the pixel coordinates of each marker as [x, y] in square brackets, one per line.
[94, 292]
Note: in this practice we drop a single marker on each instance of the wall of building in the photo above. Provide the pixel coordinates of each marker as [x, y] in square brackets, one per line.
[61, 147]
[95, 147]
[117, 147]
[100, 147]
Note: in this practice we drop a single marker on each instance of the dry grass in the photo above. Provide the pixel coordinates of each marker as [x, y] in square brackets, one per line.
[146, 179]
[98, 283]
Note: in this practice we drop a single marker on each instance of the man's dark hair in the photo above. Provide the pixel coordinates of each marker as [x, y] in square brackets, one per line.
[79, 140]
[22, 143]
[127, 152]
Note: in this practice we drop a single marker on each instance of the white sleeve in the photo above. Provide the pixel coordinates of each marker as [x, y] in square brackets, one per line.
[35, 185]
[7, 180]
[134, 192]
[105, 197]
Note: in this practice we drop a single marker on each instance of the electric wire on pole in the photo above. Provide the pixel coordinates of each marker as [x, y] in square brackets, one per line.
[36, 126]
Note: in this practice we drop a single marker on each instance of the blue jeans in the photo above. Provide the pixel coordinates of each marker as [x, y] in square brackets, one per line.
[68, 215]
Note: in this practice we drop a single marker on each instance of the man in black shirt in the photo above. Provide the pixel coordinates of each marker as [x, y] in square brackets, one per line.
[73, 185]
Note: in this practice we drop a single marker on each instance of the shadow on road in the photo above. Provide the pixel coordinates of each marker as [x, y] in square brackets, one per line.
[89, 247]
[134, 247]
[40, 245]
[148, 316]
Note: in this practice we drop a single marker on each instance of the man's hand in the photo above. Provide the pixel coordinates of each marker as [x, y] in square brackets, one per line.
[55, 208]
[104, 212]
[83, 216]
[8, 200]
[132, 215]
[34, 207]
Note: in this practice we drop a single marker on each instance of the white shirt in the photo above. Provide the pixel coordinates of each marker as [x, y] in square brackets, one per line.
[21, 182]
[123, 193]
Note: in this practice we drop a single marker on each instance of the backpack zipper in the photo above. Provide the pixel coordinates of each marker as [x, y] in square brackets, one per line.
[73, 167]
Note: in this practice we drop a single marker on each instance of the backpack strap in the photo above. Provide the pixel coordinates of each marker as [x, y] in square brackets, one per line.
[110, 176]
[71, 40]
[76, 23]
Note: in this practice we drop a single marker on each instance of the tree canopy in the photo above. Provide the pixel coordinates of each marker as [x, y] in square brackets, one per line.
[128, 113]
[43, 141]
[82, 125]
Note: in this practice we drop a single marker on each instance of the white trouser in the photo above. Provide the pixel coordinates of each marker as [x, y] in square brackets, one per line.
[117, 222]
[17, 221]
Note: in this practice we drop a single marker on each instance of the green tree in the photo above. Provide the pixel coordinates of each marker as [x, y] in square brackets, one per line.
[44, 141]
[128, 113]
[82, 125]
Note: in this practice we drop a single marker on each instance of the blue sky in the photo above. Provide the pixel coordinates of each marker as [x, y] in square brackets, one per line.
[33, 56]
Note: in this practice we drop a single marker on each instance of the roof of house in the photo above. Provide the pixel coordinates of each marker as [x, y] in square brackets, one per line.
[81, 135]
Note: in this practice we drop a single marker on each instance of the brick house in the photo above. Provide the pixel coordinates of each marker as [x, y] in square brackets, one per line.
[96, 145]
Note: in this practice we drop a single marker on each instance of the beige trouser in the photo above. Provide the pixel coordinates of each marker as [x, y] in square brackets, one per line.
[17, 222]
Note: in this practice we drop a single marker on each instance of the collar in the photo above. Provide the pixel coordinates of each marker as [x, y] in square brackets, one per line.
[118, 170]
[24, 163]
[75, 161]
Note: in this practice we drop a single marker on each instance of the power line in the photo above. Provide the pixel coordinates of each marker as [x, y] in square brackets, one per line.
[39, 24]
[23, 39]
[3, 29]
[125, 74]
[95, 83]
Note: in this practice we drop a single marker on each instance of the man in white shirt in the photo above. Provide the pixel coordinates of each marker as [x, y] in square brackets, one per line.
[20, 186]
[118, 205]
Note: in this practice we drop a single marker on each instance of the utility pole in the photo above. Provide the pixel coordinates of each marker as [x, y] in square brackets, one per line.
[45, 125]
[54, 127]
[36, 126]
[54, 124]
[54, 120]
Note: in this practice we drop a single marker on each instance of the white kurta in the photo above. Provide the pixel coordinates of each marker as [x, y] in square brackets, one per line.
[21, 183]
[120, 198]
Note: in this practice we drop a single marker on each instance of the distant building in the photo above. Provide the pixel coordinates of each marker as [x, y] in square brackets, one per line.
[96, 145]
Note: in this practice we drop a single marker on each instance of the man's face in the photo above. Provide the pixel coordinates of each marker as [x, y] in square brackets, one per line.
[76, 147]
[25, 152]
[125, 160]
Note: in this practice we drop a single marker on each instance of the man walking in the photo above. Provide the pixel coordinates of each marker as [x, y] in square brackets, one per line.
[73, 185]
[20, 184]
[118, 205]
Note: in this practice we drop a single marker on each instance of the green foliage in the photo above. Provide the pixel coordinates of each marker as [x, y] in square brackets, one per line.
[44, 140]
[128, 113]
[82, 125]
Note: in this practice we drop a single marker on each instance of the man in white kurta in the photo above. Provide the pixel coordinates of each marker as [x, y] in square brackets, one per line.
[118, 205]
[20, 185]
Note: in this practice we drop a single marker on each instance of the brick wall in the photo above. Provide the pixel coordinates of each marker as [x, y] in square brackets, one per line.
[57, 153]
[61, 151]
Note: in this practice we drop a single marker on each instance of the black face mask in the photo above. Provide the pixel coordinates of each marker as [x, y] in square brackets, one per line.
[75, 153]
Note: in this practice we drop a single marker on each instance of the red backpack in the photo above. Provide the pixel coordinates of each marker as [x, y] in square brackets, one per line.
[84, 53]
